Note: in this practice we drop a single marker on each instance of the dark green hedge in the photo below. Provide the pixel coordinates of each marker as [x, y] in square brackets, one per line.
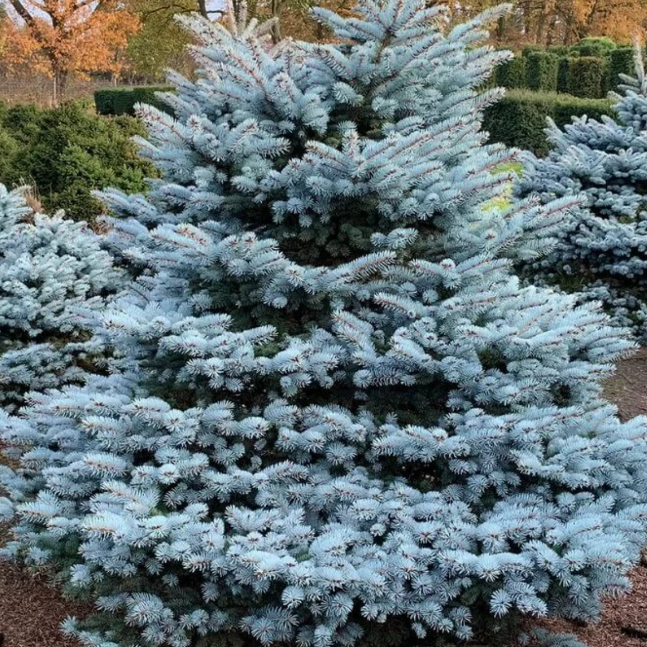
[587, 76]
[67, 152]
[531, 49]
[122, 101]
[595, 46]
[542, 68]
[620, 62]
[564, 74]
[519, 119]
[511, 74]
[590, 68]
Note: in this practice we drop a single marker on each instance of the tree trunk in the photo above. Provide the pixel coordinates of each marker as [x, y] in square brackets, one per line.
[277, 5]
[550, 38]
[541, 22]
[60, 85]
[501, 29]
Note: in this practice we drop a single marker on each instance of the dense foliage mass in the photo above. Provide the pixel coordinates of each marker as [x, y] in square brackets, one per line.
[53, 275]
[589, 69]
[519, 118]
[68, 152]
[604, 251]
[339, 418]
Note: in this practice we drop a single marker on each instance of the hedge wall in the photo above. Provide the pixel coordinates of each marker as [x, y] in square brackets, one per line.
[511, 74]
[587, 77]
[589, 69]
[542, 68]
[519, 119]
[620, 62]
[563, 74]
[122, 101]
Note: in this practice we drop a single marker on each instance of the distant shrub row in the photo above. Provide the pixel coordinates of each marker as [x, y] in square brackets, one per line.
[588, 72]
[122, 101]
[68, 152]
[519, 119]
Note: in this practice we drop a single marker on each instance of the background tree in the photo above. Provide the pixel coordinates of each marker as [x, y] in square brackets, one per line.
[161, 42]
[553, 22]
[572, 20]
[65, 38]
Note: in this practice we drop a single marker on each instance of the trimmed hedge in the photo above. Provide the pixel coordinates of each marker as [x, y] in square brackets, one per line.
[564, 74]
[588, 69]
[542, 70]
[594, 47]
[511, 74]
[587, 77]
[621, 62]
[122, 101]
[532, 49]
[519, 119]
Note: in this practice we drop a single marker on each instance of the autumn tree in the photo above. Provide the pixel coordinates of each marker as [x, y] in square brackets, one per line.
[618, 19]
[65, 38]
[161, 43]
[553, 22]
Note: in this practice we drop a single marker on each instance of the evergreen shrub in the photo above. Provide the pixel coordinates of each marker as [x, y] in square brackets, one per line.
[122, 101]
[53, 276]
[542, 70]
[520, 118]
[512, 73]
[587, 76]
[564, 74]
[621, 62]
[594, 46]
[603, 253]
[68, 152]
[338, 417]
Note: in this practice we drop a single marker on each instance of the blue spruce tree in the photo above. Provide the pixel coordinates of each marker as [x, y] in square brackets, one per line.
[53, 275]
[340, 418]
[603, 253]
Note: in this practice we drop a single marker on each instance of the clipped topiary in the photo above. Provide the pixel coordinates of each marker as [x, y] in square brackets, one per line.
[542, 71]
[587, 76]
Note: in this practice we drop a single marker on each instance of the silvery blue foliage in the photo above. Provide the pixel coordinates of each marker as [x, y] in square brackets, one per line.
[340, 418]
[604, 251]
[53, 275]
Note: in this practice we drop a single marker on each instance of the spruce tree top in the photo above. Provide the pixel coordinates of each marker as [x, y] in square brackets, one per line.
[341, 419]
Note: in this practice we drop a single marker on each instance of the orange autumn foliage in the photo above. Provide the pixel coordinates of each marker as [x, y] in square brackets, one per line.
[560, 22]
[65, 38]
[619, 20]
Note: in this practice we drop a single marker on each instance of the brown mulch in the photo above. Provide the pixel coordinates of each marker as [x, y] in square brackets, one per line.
[628, 388]
[31, 610]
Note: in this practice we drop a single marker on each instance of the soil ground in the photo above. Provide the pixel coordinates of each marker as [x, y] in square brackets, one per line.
[31, 610]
